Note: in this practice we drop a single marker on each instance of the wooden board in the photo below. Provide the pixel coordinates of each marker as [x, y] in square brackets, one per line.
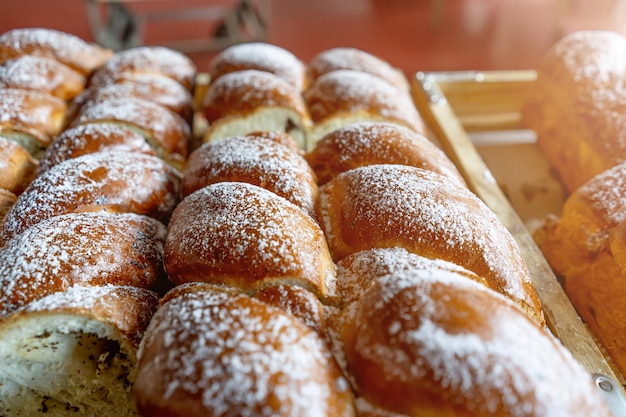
[455, 105]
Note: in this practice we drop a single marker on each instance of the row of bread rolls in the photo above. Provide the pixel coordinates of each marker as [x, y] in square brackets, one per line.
[81, 263]
[577, 110]
[272, 312]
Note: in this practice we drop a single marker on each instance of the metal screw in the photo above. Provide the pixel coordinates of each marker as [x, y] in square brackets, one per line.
[604, 383]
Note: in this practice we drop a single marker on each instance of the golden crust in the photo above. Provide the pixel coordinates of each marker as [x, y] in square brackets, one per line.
[463, 350]
[7, 200]
[203, 346]
[17, 166]
[381, 206]
[66, 48]
[369, 143]
[80, 249]
[244, 236]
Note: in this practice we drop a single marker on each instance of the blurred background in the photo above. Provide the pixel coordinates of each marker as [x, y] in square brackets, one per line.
[414, 35]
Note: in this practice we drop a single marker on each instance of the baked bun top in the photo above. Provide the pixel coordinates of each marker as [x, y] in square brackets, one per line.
[49, 43]
[244, 236]
[259, 56]
[463, 350]
[370, 143]
[346, 58]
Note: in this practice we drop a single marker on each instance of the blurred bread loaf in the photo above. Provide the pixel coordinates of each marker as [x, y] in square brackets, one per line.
[577, 105]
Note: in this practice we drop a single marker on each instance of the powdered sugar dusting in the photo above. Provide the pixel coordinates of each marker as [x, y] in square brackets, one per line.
[231, 228]
[393, 205]
[38, 73]
[80, 248]
[499, 362]
[256, 160]
[238, 356]
[260, 56]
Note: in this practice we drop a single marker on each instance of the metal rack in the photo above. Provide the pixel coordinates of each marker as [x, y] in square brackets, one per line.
[115, 24]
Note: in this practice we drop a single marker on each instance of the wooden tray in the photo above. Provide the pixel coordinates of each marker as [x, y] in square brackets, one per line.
[476, 118]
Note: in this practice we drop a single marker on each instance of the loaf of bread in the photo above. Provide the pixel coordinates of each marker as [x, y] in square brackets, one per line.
[576, 106]
[17, 166]
[585, 246]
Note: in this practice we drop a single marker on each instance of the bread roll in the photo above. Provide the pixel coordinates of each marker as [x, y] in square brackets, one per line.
[29, 72]
[343, 97]
[31, 118]
[167, 133]
[260, 56]
[463, 350]
[74, 352]
[80, 249]
[102, 181]
[216, 353]
[585, 246]
[370, 143]
[254, 160]
[64, 47]
[151, 87]
[576, 106]
[90, 138]
[246, 237]
[381, 206]
[7, 200]
[17, 166]
[251, 100]
[345, 58]
[142, 60]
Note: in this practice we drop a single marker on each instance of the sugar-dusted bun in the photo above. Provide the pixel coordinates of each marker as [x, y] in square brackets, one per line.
[29, 72]
[74, 352]
[369, 143]
[66, 48]
[90, 138]
[167, 133]
[30, 117]
[343, 97]
[254, 160]
[381, 206]
[250, 100]
[280, 137]
[152, 87]
[259, 56]
[244, 236]
[585, 246]
[576, 105]
[17, 166]
[218, 353]
[101, 181]
[345, 58]
[356, 273]
[80, 249]
[462, 351]
[142, 60]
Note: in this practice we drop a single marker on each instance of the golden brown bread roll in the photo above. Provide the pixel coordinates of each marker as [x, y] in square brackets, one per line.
[585, 246]
[381, 206]
[345, 58]
[90, 138]
[151, 87]
[218, 353]
[74, 352]
[463, 350]
[259, 56]
[31, 118]
[80, 249]
[254, 160]
[142, 60]
[369, 143]
[246, 101]
[167, 133]
[576, 106]
[29, 72]
[102, 181]
[244, 236]
[64, 47]
[7, 200]
[17, 166]
[343, 97]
